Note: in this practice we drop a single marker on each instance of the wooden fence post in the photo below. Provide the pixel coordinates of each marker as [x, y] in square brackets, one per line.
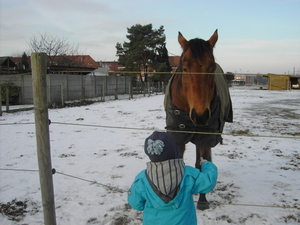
[95, 87]
[116, 89]
[7, 99]
[148, 87]
[82, 89]
[62, 94]
[0, 102]
[130, 90]
[67, 87]
[102, 92]
[38, 65]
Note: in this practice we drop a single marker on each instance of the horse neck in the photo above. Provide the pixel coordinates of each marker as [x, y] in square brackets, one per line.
[177, 97]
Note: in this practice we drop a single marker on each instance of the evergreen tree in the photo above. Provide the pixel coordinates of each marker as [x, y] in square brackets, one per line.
[145, 51]
[25, 62]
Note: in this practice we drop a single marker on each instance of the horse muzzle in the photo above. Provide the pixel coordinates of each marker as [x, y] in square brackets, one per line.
[200, 120]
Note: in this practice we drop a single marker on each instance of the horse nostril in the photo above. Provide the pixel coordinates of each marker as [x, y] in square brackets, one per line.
[200, 119]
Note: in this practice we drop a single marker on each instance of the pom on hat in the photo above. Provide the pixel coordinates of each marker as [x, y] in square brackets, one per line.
[155, 147]
[160, 146]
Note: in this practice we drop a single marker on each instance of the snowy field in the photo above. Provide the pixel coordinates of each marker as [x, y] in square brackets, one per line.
[259, 161]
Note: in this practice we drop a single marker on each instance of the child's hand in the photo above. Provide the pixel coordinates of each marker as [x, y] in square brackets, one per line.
[202, 160]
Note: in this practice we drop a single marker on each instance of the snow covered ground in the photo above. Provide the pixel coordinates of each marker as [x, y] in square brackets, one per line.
[259, 161]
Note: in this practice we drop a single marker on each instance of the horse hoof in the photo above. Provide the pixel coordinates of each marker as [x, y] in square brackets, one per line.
[202, 205]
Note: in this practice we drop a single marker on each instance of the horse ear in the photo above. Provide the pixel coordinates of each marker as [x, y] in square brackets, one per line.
[213, 39]
[183, 42]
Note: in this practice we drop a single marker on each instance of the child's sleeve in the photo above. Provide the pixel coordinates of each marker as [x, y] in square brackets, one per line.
[135, 198]
[206, 179]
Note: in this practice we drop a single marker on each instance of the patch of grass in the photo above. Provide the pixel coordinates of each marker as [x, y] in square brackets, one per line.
[16, 209]
[241, 132]
[58, 105]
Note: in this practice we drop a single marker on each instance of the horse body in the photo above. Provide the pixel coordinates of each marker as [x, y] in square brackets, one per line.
[197, 100]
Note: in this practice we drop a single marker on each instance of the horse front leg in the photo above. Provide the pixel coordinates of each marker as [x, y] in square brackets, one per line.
[182, 150]
[204, 152]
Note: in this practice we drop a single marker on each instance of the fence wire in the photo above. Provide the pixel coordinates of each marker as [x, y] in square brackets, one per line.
[162, 130]
[120, 190]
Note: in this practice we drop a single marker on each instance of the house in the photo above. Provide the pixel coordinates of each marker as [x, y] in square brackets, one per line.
[85, 61]
[101, 71]
[112, 66]
[7, 66]
[71, 64]
[174, 62]
[239, 79]
[282, 82]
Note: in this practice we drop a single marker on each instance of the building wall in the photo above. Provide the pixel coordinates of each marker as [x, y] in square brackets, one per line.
[278, 82]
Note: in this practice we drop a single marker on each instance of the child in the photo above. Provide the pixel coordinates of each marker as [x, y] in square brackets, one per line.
[164, 191]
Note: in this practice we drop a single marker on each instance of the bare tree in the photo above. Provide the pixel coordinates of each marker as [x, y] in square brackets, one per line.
[58, 50]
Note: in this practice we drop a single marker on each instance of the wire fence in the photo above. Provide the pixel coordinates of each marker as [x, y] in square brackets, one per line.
[149, 129]
[117, 189]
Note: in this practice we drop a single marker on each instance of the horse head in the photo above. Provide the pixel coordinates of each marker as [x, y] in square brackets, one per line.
[197, 80]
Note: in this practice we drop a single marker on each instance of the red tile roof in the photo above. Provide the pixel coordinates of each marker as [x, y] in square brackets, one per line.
[174, 61]
[84, 60]
[80, 60]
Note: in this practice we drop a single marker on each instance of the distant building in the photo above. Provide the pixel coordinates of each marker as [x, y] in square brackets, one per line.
[101, 71]
[7, 66]
[282, 82]
[71, 64]
[112, 66]
[239, 79]
[174, 62]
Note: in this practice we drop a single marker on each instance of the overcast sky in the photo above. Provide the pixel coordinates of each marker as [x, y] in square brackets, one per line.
[255, 36]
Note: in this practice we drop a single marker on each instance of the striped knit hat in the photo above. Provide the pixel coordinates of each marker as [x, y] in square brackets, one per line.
[160, 146]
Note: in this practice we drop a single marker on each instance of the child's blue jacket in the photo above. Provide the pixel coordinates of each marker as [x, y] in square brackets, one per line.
[181, 210]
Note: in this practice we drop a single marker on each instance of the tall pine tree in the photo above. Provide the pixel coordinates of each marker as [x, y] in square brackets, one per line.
[146, 50]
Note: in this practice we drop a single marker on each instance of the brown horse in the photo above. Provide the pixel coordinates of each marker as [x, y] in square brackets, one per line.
[197, 101]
